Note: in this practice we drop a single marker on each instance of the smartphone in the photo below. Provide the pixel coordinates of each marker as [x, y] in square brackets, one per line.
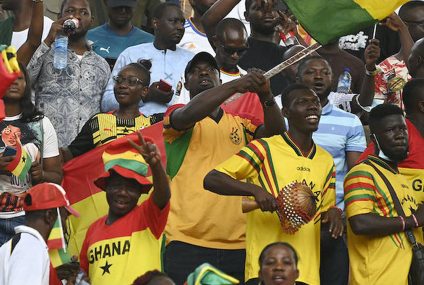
[164, 86]
[9, 151]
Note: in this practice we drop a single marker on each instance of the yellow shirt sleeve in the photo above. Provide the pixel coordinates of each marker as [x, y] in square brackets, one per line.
[245, 164]
[360, 192]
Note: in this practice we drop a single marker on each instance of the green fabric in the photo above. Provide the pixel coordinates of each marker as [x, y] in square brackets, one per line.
[327, 20]
[206, 274]
[6, 30]
[136, 166]
[176, 152]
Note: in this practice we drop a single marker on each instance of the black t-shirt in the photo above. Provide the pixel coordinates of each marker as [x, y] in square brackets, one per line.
[265, 55]
[356, 44]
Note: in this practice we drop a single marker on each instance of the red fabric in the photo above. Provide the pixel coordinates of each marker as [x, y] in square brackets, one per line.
[415, 157]
[79, 173]
[53, 279]
[248, 106]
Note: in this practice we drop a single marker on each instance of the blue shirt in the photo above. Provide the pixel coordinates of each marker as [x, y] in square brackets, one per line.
[109, 44]
[339, 132]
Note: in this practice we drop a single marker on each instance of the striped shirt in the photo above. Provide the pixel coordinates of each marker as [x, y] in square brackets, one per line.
[339, 132]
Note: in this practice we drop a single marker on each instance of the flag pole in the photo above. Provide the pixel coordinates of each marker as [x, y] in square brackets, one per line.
[295, 58]
[374, 31]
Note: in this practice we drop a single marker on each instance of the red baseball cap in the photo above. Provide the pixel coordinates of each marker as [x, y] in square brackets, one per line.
[48, 196]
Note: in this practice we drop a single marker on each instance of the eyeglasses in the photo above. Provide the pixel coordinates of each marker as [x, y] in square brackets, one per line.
[131, 81]
[231, 51]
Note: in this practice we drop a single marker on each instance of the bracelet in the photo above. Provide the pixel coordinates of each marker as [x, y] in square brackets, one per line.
[371, 72]
[403, 223]
[415, 220]
[338, 209]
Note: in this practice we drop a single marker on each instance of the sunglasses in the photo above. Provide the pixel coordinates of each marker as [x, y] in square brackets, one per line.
[231, 51]
[131, 81]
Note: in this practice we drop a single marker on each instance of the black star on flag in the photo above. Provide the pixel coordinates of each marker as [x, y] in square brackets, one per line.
[106, 268]
[23, 159]
[125, 130]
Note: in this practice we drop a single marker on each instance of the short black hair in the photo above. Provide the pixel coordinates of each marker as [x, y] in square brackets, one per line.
[143, 66]
[285, 94]
[409, 6]
[280, 243]
[412, 93]
[66, 1]
[160, 9]
[305, 61]
[147, 277]
[232, 24]
[380, 112]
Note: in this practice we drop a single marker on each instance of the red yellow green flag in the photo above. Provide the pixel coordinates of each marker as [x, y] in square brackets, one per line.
[21, 165]
[327, 20]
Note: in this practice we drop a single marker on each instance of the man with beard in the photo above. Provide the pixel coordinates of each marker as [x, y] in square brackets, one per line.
[168, 61]
[195, 38]
[69, 96]
[204, 227]
[413, 166]
[342, 135]
[113, 37]
[379, 251]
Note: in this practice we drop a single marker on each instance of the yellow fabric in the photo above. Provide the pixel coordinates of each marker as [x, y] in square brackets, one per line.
[415, 178]
[274, 157]
[380, 9]
[108, 128]
[98, 208]
[115, 253]
[377, 259]
[197, 216]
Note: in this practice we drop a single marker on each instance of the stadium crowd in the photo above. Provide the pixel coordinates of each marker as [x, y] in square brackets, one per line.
[152, 148]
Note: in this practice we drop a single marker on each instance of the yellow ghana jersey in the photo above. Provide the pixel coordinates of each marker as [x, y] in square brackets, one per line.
[413, 166]
[377, 259]
[273, 163]
[105, 127]
[120, 252]
[197, 216]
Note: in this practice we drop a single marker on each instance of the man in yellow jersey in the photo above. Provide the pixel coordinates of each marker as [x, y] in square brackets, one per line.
[379, 252]
[272, 163]
[204, 227]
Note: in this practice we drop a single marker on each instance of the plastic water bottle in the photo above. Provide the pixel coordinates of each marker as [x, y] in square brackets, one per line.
[60, 58]
[345, 81]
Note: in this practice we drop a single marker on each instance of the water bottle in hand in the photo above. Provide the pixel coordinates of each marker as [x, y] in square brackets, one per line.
[345, 82]
[60, 58]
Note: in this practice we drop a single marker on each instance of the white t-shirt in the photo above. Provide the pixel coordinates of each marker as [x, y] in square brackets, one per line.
[238, 13]
[194, 40]
[29, 262]
[31, 139]
[19, 38]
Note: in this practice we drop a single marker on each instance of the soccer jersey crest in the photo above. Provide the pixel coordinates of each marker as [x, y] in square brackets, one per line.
[235, 136]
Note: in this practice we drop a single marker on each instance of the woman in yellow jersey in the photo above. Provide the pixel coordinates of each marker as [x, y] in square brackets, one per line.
[278, 264]
[131, 86]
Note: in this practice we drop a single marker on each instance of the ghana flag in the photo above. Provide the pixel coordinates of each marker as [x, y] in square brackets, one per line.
[327, 20]
[85, 197]
[79, 174]
[21, 165]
